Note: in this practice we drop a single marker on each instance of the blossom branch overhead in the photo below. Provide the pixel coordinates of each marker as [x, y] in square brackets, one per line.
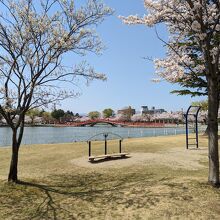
[193, 28]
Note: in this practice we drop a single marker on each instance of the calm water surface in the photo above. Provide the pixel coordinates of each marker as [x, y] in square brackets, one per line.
[46, 135]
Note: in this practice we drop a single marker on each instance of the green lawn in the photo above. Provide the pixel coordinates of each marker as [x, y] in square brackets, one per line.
[161, 180]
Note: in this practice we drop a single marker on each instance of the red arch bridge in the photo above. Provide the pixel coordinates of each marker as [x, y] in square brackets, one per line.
[91, 123]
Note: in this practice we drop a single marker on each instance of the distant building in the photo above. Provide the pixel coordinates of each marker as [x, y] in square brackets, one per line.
[146, 111]
[126, 111]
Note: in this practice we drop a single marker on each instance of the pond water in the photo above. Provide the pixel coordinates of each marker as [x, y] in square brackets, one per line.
[47, 135]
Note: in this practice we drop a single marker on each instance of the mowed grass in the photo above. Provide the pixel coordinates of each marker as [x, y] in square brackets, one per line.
[55, 188]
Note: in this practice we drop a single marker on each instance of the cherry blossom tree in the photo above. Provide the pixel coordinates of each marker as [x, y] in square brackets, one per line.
[140, 117]
[172, 116]
[192, 54]
[136, 118]
[121, 117]
[35, 36]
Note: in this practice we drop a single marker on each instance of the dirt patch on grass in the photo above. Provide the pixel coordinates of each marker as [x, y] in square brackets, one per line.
[176, 159]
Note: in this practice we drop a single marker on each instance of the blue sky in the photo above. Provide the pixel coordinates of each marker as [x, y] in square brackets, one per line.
[129, 75]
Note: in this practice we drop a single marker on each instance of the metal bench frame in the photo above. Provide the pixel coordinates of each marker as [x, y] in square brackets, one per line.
[106, 155]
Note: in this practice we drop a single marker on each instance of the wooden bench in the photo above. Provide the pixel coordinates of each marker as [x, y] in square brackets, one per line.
[107, 156]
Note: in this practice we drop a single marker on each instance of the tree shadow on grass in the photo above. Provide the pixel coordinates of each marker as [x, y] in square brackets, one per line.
[197, 149]
[95, 189]
[73, 196]
[50, 207]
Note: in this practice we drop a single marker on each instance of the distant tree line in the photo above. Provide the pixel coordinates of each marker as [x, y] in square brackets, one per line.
[106, 113]
[57, 115]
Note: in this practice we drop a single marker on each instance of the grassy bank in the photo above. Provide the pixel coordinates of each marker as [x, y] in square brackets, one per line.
[161, 180]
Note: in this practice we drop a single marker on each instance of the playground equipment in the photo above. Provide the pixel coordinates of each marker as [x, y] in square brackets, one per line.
[105, 155]
[192, 111]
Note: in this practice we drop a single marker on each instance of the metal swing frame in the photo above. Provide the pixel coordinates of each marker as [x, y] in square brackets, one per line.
[196, 126]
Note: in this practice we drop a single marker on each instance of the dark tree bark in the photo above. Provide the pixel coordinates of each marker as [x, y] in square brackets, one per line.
[16, 142]
[206, 131]
[13, 177]
[213, 104]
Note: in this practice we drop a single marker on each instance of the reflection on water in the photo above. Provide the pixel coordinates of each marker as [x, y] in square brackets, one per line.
[45, 135]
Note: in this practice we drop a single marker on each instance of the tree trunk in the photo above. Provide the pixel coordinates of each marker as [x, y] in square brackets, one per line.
[16, 142]
[213, 104]
[206, 131]
[12, 177]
